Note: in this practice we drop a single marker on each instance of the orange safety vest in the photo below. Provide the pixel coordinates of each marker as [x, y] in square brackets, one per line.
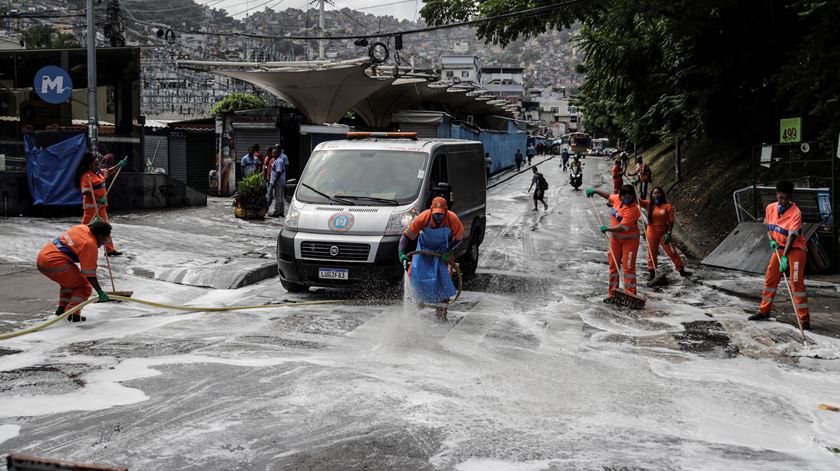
[785, 224]
[79, 244]
[93, 183]
[626, 217]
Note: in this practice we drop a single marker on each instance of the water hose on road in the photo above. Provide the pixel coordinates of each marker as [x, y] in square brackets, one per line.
[457, 268]
[75, 309]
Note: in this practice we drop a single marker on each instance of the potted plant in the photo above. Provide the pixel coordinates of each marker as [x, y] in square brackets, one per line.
[249, 201]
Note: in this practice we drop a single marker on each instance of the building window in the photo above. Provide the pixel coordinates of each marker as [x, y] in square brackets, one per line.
[449, 74]
[465, 73]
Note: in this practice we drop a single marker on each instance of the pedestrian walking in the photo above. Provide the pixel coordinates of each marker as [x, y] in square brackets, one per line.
[488, 162]
[790, 254]
[518, 160]
[625, 161]
[90, 179]
[57, 261]
[529, 156]
[617, 176]
[660, 225]
[531, 151]
[624, 243]
[541, 183]
[248, 163]
[565, 157]
[277, 184]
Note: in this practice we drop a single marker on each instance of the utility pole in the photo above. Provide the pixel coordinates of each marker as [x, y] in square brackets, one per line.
[321, 30]
[93, 122]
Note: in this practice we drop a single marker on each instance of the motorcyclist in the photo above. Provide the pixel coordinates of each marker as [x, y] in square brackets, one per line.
[576, 172]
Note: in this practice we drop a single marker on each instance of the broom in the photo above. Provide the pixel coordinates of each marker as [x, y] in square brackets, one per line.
[790, 293]
[113, 291]
[620, 297]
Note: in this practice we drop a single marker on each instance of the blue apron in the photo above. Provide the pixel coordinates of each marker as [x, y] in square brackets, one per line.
[430, 276]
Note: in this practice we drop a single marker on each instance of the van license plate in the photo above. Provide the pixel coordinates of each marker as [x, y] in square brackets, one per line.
[333, 273]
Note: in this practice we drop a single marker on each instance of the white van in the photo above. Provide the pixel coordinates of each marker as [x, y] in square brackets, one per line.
[355, 197]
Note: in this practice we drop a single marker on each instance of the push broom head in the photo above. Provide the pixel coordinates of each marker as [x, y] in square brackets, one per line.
[625, 299]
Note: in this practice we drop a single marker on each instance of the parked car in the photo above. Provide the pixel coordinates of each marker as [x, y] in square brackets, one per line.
[355, 197]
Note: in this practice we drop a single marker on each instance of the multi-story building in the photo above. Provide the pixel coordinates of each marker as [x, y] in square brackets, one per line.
[553, 109]
[507, 82]
[460, 68]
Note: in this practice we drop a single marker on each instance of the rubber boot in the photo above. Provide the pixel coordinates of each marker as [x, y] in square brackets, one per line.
[806, 325]
[651, 275]
[76, 318]
[685, 272]
[759, 317]
[59, 310]
[115, 253]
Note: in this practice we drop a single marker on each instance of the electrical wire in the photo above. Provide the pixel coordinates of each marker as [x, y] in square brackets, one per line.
[515, 14]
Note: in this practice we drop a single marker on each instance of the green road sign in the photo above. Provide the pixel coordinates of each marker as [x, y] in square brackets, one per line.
[790, 130]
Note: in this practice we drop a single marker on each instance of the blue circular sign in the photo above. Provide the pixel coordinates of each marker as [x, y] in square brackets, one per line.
[53, 84]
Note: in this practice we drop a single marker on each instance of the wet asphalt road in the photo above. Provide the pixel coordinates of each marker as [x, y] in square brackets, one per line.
[531, 371]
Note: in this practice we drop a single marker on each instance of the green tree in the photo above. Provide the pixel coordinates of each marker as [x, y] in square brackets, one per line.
[37, 37]
[64, 41]
[236, 102]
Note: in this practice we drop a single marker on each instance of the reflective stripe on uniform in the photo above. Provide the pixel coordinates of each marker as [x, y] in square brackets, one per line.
[630, 275]
[88, 272]
[613, 275]
[800, 294]
[770, 290]
[628, 236]
[613, 283]
[779, 229]
[89, 206]
[76, 299]
[410, 234]
[64, 267]
[623, 227]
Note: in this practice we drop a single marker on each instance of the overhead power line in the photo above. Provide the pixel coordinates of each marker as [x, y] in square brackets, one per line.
[516, 14]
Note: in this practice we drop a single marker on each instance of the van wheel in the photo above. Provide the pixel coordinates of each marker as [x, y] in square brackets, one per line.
[294, 287]
[469, 264]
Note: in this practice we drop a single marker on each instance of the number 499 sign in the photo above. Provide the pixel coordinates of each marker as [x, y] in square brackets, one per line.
[790, 130]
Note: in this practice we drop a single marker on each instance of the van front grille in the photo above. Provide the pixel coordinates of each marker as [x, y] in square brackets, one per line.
[345, 251]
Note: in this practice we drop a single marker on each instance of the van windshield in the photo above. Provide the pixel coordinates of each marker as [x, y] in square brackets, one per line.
[365, 177]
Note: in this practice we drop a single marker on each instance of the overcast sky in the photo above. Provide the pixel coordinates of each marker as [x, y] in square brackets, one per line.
[405, 9]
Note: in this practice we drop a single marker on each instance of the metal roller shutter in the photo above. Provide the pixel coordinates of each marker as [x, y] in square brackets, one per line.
[424, 131]
[246, 136]
[157, 151]
[202, 159]
[178, 157]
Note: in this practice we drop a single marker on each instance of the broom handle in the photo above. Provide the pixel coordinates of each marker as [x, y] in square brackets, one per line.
[790, 293]
[96, 214]
[609, 245]
[644, 227]
[112, 181]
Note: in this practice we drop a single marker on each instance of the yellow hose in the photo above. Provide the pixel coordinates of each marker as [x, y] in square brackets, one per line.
[52, 321]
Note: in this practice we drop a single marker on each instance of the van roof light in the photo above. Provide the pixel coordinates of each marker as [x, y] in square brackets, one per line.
[382, 135]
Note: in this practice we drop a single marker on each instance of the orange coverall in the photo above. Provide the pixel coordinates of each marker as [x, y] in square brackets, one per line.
[617, 179]
[624, 244]
[57, 261]
[660, 219]
[93, 188]
[780, 227]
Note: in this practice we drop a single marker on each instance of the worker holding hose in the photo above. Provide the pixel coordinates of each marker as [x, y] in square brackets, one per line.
[436, 230]
[790, 253]
[624, 243]
[90, 178]
[57, 261]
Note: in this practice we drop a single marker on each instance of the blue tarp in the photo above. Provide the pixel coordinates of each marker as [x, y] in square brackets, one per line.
[502, 146]
[51, 170]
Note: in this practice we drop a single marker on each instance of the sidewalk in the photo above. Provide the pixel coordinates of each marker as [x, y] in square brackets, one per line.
[27, 296]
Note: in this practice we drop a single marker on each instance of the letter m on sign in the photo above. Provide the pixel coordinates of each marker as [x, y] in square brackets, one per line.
[54, 83]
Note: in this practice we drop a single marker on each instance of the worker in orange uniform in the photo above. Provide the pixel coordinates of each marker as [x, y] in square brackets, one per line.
[436, 230]
[790, 252]
[660, 215]
[617, 173]
[90, 178]
[624, 243]
[57, 261]
[643, 175]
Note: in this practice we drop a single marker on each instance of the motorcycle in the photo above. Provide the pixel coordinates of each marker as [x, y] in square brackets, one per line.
[576, 178]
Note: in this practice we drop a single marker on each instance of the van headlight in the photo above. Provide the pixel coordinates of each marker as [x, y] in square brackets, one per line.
[400, 220]
[292, 217]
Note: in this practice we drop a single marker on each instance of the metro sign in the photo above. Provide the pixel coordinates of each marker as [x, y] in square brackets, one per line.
[53, 84]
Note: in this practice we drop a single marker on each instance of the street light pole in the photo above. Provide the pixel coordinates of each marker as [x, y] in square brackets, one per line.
[93, 122]
[321, 32]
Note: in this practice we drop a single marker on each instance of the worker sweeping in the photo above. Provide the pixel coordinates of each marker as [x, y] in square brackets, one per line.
[658, 233]
[617, 174]
[57, 261]
[790, 252]
[90, 178]
[624, 243]
[436, 230]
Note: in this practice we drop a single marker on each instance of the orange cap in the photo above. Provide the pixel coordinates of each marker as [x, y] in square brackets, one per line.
[439, 205]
